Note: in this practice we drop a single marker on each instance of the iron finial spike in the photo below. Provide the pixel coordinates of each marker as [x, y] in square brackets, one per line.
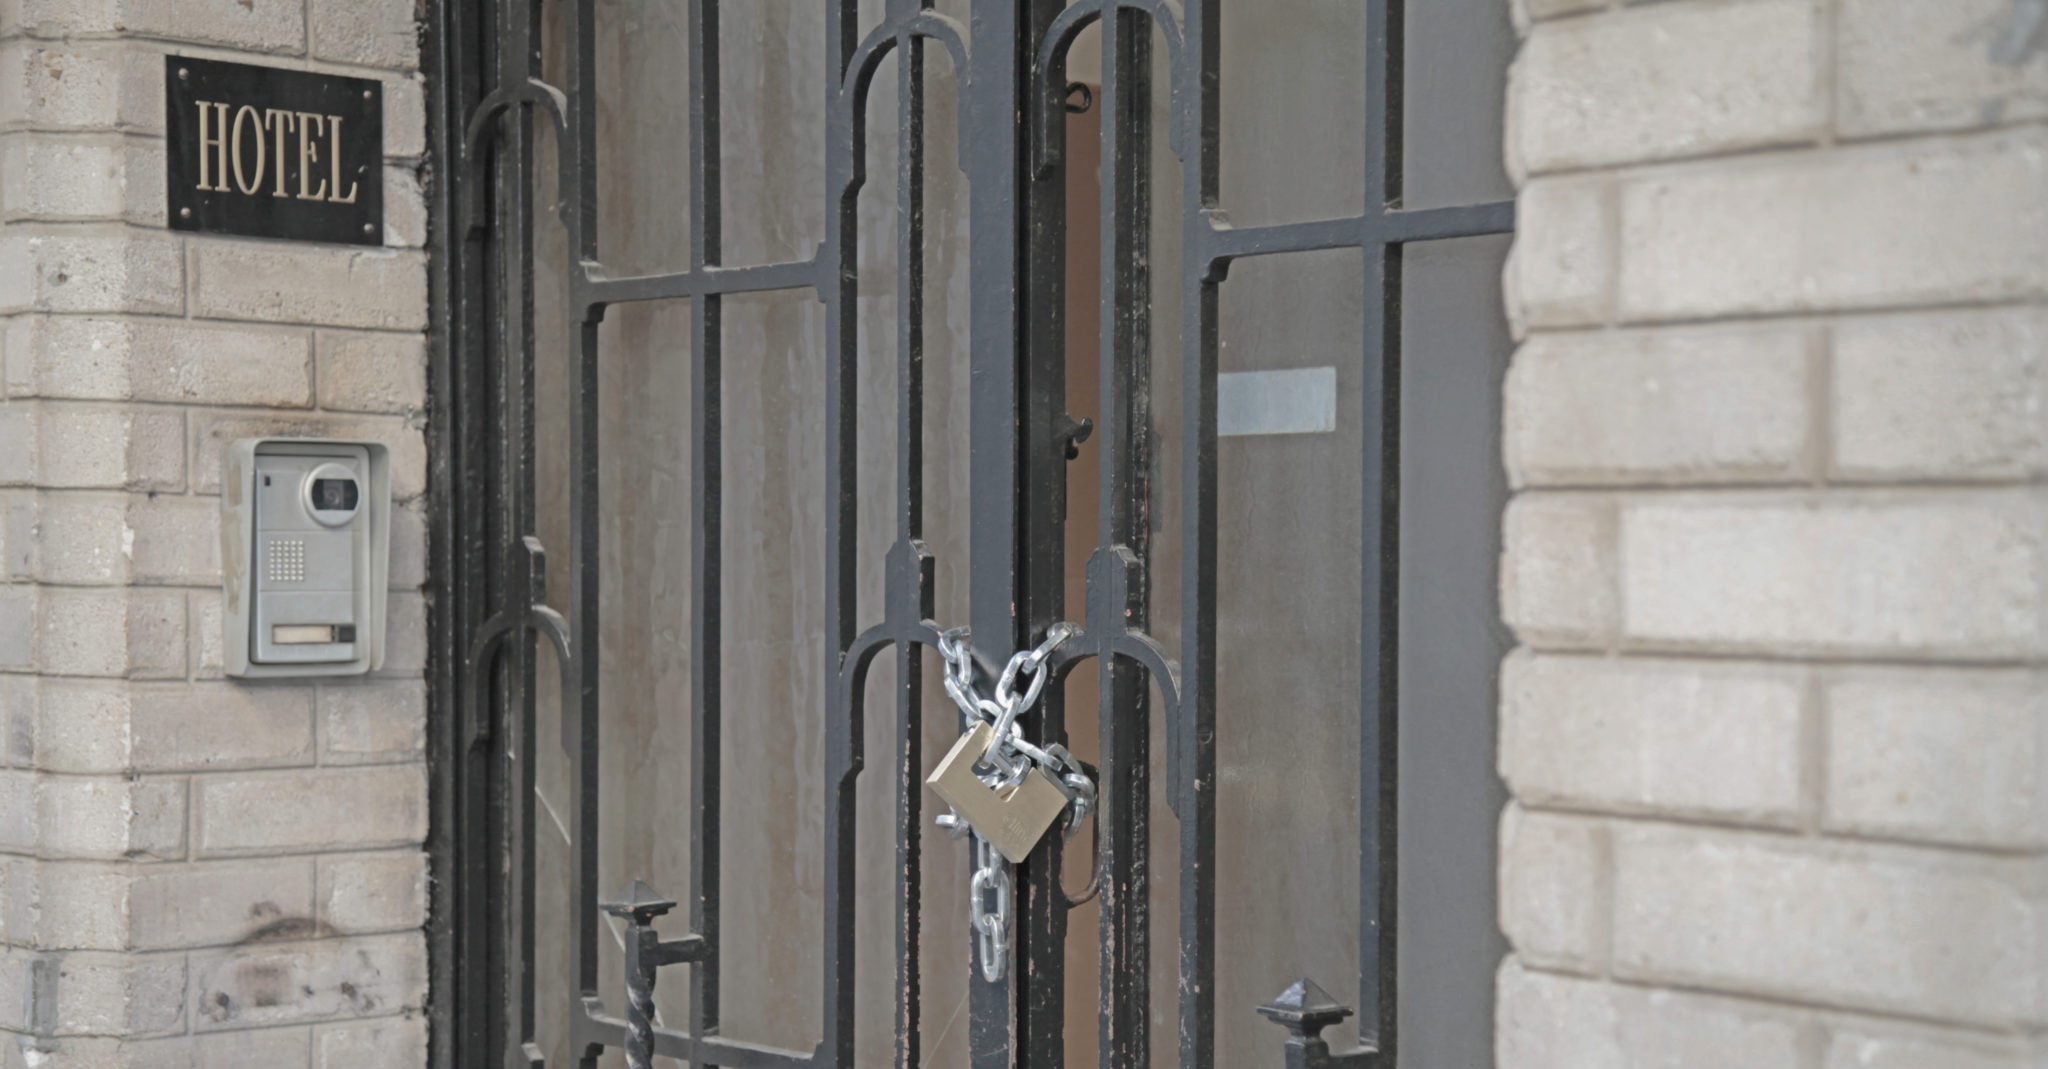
[638, 903]
[1305, 1008]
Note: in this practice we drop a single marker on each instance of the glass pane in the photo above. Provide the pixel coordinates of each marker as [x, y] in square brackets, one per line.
[1458, 53]
[1452, 490]
[774, 663]
[1288, 620]
[772, 77]
[1293, 110]
[642, 179]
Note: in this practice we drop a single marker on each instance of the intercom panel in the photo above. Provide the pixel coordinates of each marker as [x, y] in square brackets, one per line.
[305, 549]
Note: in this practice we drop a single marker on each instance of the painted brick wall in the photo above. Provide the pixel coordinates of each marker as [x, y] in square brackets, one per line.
[1777, 731]
[194, 872]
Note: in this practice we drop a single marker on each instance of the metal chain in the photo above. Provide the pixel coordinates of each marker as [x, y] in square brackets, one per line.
[991, 926]
[1010, 758]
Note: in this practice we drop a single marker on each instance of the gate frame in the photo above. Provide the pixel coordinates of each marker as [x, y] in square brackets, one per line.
[482, 564]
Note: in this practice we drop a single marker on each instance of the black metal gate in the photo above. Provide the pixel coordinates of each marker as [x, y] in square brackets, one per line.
[492, 608]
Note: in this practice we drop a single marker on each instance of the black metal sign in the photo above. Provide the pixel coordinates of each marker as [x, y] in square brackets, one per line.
[271, 153]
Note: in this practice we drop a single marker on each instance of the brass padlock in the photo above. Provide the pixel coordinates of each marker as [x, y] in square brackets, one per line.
[1012, 819]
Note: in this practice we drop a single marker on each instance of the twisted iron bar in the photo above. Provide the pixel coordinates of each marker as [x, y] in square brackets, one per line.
[646, 951]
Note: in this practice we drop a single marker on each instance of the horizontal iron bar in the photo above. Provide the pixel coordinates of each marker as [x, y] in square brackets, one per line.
[708, 1050]
[1228, 242]
[1442, 224]
[1398, 226]
[599, 291]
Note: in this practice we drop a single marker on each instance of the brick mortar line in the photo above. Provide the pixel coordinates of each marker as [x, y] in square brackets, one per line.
[1628, 650]
[1818, 146]
[1828, 69]
[1795, 316]
[38, 491]
[304, 58]
[288, 853]
[283, 766]
[1809, 1001]
[1816, 719]
[1828, 487]
[226, 408]
[1610, 8]
[125, 775]
[1820, 401]
[1613, 251]
[167, 952]
[1787, 1006]
[98, 226]
[125, 318]
[1734, 322]
[1823, 486]
[211, 775]
[382, 674]
[1798, 492]
[1820, 666]
[139, 221]
[156, 586]
[101, 136]
[1899, 849]
[417, 332]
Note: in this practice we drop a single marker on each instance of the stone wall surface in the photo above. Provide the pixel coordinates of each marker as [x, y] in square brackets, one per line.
[194, 871]
[1777, 732]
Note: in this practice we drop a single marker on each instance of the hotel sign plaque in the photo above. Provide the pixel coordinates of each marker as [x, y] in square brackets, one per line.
[272, 153]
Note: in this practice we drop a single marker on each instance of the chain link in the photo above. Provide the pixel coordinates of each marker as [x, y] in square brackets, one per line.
[991, 926]
[1010, 758]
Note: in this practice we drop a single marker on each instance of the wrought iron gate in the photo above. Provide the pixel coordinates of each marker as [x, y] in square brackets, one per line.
[1010, 72]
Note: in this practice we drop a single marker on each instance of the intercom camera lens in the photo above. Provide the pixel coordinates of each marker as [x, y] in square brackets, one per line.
[334, 495]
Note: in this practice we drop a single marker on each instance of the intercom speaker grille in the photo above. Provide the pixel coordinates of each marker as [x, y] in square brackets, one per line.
[288, 560]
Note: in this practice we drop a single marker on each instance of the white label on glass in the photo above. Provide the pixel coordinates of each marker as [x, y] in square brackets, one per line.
[1296, 401]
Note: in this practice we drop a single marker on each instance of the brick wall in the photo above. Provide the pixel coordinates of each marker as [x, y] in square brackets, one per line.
[194, 872]
[1777, 731]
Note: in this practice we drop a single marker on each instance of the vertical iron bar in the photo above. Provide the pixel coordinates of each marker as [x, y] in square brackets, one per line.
[1195, 741]
[579, 147]
[1380, 525]
[995, 261]
[520, 58]
[464, 883]
[1040, 907]
[707, 517]
[837, 285]
[1125, 718]
[909, 764]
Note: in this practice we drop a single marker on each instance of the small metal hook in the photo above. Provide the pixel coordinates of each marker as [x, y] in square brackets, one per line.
[1087, 98]
[1094, 887]
[1075, 432]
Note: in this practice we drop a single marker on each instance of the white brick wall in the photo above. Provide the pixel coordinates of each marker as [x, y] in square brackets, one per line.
[1645, 85]
[195, 873]
[1777, 732]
